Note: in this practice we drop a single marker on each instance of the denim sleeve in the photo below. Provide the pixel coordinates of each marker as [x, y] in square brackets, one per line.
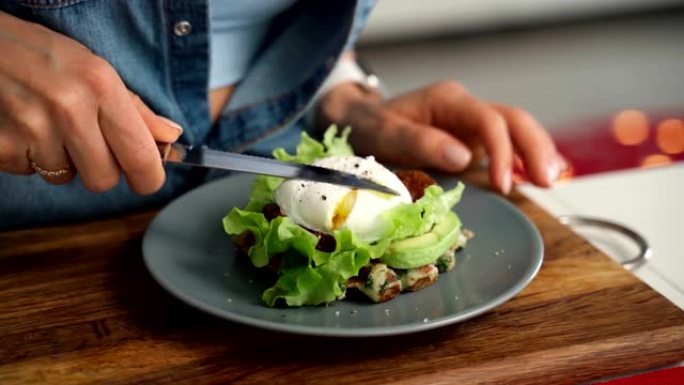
[363, 10]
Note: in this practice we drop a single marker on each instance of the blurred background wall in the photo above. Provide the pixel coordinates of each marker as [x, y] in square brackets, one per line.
[567, 61]
[410, 19]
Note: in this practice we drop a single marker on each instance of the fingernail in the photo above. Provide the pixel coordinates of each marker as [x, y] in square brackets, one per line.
[457, 157]
[553, 171]
[171, 123]
[506, 183]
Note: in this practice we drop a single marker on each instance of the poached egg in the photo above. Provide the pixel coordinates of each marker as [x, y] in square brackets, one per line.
[325, 207]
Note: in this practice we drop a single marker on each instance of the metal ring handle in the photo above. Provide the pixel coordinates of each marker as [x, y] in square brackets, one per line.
[644, 248]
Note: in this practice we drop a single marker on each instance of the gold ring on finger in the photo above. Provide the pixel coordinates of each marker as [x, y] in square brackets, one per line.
[50, 173]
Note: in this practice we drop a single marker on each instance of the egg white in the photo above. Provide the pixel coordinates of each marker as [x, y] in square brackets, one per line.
[318, 206]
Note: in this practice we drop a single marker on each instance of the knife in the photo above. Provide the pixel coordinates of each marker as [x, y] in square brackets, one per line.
[204, 157]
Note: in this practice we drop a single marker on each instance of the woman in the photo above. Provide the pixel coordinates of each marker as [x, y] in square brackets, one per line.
[88, 86]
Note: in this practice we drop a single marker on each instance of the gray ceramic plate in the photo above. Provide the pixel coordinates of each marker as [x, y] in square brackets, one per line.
[187, 252]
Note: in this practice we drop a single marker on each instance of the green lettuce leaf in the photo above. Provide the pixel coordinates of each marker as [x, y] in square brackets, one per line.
[239, 221]
[315, 283]
[412, 219]
[307, 276]
[309, 150]
[263, 192]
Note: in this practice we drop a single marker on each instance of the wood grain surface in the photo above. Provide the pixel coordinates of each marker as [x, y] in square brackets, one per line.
[78, 306]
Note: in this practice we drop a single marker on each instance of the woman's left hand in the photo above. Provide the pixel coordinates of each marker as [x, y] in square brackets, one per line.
[444, 127]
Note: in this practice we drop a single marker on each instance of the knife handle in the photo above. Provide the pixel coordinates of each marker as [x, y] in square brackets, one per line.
[164, 150]
[170, 152]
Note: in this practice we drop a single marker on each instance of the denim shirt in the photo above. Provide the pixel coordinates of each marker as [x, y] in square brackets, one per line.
[161, 51]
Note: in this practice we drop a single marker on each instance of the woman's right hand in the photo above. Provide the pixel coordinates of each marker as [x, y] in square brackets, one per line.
[63, 107]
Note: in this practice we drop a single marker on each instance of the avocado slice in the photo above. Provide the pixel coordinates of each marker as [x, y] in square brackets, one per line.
[420, 250]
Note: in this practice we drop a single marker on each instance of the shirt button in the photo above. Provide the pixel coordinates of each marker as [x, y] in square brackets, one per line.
[182, 28]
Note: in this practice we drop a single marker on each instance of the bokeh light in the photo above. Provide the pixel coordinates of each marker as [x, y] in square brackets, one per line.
[655, 160]
[630, 127]
[670, 136]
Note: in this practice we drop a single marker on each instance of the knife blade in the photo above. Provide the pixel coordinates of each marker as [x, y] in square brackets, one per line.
[201, 156]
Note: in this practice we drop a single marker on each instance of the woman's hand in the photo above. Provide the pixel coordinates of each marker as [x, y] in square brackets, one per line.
[444, 127]
[64, 108]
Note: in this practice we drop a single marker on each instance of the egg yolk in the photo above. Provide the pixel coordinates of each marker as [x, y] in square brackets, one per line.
[344, 207]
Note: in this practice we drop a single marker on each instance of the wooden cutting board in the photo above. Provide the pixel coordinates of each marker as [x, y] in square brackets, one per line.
[78, 306]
